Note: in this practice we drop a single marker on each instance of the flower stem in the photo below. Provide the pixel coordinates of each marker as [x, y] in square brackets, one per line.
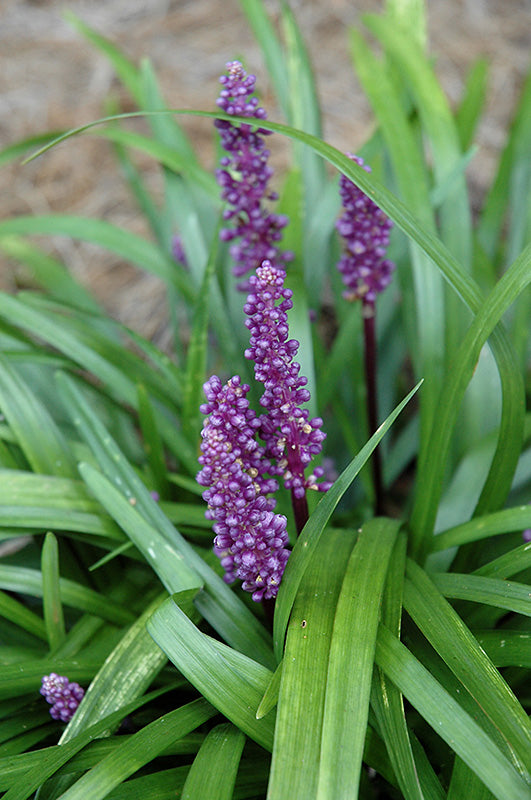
[300, 511]
[369, 316]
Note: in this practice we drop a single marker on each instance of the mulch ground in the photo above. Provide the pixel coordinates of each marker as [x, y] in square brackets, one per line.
[50, 78]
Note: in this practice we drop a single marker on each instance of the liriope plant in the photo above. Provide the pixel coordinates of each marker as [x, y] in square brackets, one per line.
[344, 613]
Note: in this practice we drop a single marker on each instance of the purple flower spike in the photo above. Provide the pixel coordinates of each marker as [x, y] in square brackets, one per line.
[63, 696]
[244, 178]
[365, 229]
[291, 439]
[250, 539]
[526, 535]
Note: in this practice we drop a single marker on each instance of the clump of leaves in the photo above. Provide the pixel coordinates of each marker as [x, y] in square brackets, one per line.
[188, 690]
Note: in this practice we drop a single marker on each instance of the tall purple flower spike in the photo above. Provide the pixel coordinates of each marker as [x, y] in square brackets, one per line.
[365, 229]
[291, 439]
[244, 178]
[250, 539]
[63, 696]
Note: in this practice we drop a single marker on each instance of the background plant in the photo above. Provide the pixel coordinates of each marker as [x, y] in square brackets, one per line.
[186, 693]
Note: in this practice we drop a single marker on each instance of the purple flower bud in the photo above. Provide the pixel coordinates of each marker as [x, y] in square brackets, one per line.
[526, 535]
[365, 230]
[291, 439]
[250, 539]
[244, 178]
[177, 250]
[63, 696]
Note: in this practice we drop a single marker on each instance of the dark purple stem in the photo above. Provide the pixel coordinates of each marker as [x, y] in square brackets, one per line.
[369, 315]
[300, 511]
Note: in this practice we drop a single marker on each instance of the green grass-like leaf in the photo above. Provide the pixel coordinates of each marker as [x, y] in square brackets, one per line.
[456, 645]
[309, 537]
[134, 753]
[351, 659]
[51, 594]
[488, 591]
[510, 519]
[219, 605]
[298, 731]
[40, 439]
[213, 772]
[448, 719]
[126, 674]
[29, 581]
[232, 682]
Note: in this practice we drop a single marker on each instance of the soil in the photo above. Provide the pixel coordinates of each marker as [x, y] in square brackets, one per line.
[51, 78]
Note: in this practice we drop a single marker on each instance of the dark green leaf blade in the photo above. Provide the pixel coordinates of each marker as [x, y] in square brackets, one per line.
[448, 719]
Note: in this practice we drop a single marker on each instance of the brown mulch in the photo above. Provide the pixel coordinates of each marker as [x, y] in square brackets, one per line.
[50, 78]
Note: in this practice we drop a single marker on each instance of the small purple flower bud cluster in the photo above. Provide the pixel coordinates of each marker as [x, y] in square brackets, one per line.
[244, 178]
[250, 539]
[365, 229]
[291, 439]
[177, 250]
[63, 696]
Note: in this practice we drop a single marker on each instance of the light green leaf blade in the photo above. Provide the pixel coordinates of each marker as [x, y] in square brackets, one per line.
[307, 541]
[507, 564]
[411, 16]
[514, 160]
[39, 437]
[20, 148]
[18, 614]
[196, 359]
[472, 102]
[509, 595]
[218, 604]
[351, 660]
[126, 674]
[172, 569]
[503, 465]
[232, 682]
[164, 154]
[304, 112]
[423, 282]
[456, 645]
[509, 519]
[298, 731]
[440, 128]
[464, 783]
[56, 332]
[125, 69]
[152, 440]
[213, 772]
[272, 51]
[131, 247]
[29, 581]
[165, 128]
[415, 776]
[49, 273]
